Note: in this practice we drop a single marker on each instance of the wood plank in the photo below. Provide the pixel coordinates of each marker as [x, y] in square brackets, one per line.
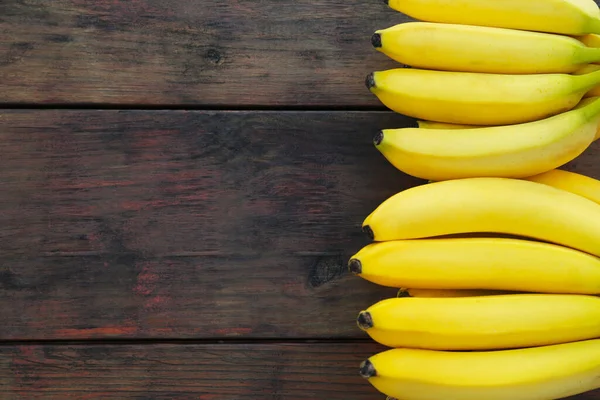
[201, 52]
[187, 224]
[207, 372]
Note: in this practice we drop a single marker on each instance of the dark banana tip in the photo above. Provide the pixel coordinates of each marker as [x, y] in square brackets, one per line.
[403, 293]
[367, 369]
[364, 320]
[376, 40]
[378, 138]
[367, 229]
[386, 2]
[355, 266]
[370, 81]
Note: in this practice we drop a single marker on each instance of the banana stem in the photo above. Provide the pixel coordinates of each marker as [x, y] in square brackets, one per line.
[591, 107]
[594, 25]
[589, 55]
[587, 82]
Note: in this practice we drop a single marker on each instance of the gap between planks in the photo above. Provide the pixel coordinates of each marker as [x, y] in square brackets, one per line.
[186, 107]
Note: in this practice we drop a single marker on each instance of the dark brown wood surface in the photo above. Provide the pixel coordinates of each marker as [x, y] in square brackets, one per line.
[190, 371]
[204, 52]
[206, 372]
[187, 224]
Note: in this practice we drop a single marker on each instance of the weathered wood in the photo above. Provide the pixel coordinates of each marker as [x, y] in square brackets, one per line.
[204, 52]
[207, 372]
[187, 224]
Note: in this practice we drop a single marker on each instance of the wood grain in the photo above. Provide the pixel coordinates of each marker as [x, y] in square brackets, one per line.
[191, 52]
[207, 372]
[170, 224]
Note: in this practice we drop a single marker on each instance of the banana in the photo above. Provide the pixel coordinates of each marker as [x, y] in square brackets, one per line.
[535, 373]
[478, 99]
[466, 48]
[501, 205]
[571, 182]
[595, 91]
[569, 17]
[513, 151]
[478, 264]
[439, 293]
[590, 40]
[482, 322]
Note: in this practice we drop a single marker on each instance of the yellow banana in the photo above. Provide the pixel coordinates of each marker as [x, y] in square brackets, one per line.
[586, 70]
[571, 182]
[443, 125]
[444, 293]
[467, 48]
[500, 205]
[476, 98]
[482, 322]
[512, 151]
[570, 17]
[476, 264]
[590, 40]
[535, 373]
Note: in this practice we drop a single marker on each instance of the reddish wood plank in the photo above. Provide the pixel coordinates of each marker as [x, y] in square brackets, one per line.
[206, 372]
[206, 52]
[187, 224]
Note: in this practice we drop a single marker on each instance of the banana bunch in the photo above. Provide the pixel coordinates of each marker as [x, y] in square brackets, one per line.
[518, 83]
[497, 257]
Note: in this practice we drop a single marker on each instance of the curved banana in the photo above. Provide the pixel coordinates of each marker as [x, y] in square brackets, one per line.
[590, 40]
[482, 322]
[571, 182]
[443, 125]
[570, 17]
[445, 293]
[595, 91]
[513, 151]
[476, 264]
[467, 48]
[535, 373]
[476, 98]
[500, 205]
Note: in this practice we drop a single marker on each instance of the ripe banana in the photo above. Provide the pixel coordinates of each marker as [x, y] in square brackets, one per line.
[586, 70]
[535, 373]
[513, 151]
[501, 205]
[444, 293]
[482, 322]
[570, 17]
[476, 98]
[571, 182]
[443, 125]
[467, 48]
[477, 263]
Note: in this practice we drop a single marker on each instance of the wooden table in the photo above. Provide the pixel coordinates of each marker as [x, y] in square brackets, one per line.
[183, 182]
